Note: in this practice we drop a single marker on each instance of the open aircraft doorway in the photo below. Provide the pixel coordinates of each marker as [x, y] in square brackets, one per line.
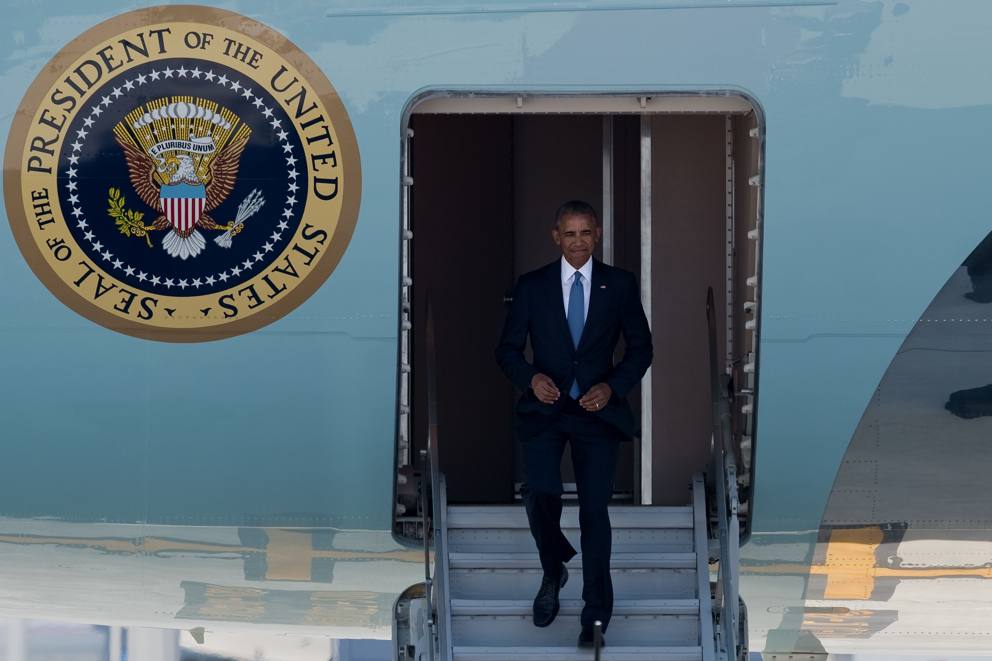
[676, 180]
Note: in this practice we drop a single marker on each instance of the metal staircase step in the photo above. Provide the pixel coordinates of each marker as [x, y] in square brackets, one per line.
[514, 516]
[571, 653]
[492, 571]
[649, 607]
[647, 583]
[519, 540]
[531, 561]
[635, 630]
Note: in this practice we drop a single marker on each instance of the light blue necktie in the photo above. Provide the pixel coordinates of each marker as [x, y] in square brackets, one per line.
[576, 320]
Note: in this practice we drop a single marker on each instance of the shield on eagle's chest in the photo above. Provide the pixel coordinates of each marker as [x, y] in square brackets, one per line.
[183, 203]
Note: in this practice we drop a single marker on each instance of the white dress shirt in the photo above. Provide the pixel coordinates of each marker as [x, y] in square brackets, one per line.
[568, 274]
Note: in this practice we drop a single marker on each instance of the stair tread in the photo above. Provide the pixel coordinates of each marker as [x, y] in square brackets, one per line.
[475, 607]
[520, 540]
[523, 583]
[626, 648]
[568, 653]
[518, 560]
[515, 626]
[514, 516]
[575, 508]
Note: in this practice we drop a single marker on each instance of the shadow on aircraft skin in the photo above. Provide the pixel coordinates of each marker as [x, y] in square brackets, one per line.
[972, 403]
[904, 548]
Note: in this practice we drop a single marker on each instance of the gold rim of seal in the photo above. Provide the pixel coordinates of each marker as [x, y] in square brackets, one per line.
[252, 31]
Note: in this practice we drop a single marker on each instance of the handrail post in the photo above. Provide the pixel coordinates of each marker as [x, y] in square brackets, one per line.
[435, 523]
[724, 477]
[426, 518]
[428, 579]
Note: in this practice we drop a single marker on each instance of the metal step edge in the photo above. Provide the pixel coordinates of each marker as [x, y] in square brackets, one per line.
[575, 508]
[574, 654]
[491, 607]
[502, 516]
[532, 561]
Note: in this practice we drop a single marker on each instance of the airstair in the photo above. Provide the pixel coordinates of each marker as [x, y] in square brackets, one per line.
[493, 574]
[674, 573]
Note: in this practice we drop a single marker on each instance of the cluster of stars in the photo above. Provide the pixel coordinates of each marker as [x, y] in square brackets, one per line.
[157, 280]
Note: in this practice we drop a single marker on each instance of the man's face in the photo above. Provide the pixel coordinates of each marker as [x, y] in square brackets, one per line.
[576, 235]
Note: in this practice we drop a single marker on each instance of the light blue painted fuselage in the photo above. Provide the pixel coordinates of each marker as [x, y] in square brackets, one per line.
[877, 118]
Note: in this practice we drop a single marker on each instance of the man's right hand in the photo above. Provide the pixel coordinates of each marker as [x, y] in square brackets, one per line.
[544, 389]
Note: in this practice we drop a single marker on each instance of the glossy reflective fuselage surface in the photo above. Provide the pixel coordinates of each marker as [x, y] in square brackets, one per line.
[250, 479]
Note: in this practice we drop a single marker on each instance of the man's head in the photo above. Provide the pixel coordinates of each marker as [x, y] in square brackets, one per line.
[576, 231]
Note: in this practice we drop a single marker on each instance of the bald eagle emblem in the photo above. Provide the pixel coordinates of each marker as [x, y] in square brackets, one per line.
[182, 158]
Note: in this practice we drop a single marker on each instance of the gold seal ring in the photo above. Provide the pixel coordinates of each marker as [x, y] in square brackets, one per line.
[157, 96]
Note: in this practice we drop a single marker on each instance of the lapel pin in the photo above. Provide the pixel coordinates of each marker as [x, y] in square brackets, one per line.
[602, 286]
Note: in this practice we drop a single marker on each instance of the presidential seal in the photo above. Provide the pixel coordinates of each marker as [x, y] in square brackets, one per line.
[182, 174]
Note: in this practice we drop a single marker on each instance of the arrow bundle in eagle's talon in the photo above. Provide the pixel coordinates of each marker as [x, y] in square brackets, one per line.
[248, 207]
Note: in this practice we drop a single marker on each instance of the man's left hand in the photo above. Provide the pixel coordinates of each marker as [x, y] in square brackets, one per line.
[596, 398]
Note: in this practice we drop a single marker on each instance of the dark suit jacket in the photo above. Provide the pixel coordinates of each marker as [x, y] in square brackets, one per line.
[538, 310]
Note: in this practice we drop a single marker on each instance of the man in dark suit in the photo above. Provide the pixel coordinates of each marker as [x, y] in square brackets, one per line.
[574, 311]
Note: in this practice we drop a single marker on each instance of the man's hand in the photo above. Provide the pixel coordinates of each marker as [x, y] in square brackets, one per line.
[544, 388]
[596, 398]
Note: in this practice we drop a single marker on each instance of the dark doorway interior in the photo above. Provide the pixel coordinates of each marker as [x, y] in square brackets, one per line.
[485, 190]
[462, 259]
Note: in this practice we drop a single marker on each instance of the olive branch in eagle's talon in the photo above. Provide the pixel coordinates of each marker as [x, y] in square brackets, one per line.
[128, 221]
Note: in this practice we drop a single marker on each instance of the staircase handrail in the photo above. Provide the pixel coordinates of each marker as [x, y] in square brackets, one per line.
[724, 477]
[433, 510]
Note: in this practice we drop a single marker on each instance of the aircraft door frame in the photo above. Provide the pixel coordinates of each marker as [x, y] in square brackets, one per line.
[645, 105]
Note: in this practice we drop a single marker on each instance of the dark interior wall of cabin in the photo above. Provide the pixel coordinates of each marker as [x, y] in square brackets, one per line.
[462, 212]
[627, 255]
[556, 158]
[687, 243]
[486, 188]
[559, 158]
[627, 193]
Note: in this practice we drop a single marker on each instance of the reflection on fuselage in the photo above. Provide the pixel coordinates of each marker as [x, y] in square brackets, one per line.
[319, 581]
[906, 530]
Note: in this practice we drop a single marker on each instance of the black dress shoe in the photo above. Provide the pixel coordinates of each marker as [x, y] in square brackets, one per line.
[546, 601]
[587, 638]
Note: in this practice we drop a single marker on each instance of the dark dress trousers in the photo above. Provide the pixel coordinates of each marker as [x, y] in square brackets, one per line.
[538, 311]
